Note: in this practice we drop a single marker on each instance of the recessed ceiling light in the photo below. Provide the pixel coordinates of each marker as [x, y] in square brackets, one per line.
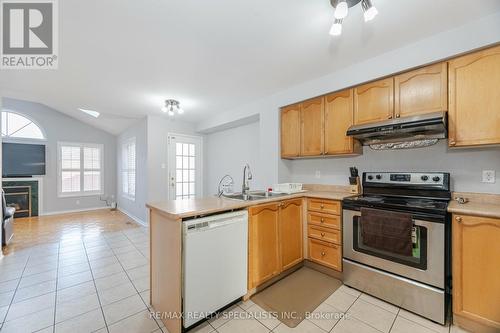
[92, 113]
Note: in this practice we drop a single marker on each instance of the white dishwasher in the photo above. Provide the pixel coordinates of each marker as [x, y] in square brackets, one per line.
[215, 251]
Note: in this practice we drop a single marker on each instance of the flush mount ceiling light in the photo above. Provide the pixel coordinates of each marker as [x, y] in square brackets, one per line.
[171, 107]
[342, 9]
[92, 113]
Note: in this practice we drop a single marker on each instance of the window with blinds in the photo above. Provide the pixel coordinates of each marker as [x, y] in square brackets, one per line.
[128, 168]
[80, 169]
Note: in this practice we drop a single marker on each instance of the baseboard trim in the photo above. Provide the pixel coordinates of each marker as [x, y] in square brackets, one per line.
[133, 217]
[73, 211]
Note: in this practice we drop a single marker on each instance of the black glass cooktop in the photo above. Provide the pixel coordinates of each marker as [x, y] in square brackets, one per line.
[400, 203]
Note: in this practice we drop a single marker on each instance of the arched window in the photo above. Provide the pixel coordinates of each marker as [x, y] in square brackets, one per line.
[18, 126]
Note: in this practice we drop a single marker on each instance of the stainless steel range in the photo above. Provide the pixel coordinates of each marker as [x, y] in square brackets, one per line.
[397, 238]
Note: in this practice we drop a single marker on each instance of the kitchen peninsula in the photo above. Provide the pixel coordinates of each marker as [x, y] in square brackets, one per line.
[166, 230]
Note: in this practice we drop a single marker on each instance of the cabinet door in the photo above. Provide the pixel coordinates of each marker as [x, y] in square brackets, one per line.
[290, 131]
[263, 248]
[291, 236]
[476, 269]
[421, 91]
[374, 101]
[312, 127]
[339, 116]
[474, 115]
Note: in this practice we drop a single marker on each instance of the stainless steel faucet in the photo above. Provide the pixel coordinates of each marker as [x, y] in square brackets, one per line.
[247, 175]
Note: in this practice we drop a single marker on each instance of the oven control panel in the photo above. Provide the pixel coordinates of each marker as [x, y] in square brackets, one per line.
[407, 178]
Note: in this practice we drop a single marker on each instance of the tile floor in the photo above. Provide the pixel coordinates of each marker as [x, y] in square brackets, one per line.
[99, 282]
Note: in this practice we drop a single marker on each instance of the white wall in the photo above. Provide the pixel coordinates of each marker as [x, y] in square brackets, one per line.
[465, 166]
[227, 152]
[134, 208]
[59, 127]
[473, 35]
[158, 129]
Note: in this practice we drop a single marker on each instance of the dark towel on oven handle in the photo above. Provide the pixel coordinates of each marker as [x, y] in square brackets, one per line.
[386, 230]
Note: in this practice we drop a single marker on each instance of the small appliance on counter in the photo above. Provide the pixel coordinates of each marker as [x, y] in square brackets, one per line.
[288, 188]
[354, 181]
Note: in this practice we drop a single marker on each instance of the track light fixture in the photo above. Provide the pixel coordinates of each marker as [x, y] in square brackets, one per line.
[342, 9]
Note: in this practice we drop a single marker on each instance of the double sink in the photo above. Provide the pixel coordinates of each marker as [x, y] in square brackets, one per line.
[254, 195]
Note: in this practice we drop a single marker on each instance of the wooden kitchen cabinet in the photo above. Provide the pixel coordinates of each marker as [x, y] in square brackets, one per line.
[324, 232]
[290, 131]
[421, 91]
[339, 116]
[326, 254]
[312, 132]
[263, 244]
[291, 238]
[275, 241]
[374, 101]
[474, 98]
[476, 270]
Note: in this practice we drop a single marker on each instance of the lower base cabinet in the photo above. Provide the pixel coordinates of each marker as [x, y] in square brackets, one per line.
[476, 272]
[324, 232]
[275, 239]
[326, 254]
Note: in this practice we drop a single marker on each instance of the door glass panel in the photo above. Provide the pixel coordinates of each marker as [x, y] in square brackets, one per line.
[185, 186]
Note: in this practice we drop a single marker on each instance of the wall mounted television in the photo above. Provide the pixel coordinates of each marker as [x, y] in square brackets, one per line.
[22, 160]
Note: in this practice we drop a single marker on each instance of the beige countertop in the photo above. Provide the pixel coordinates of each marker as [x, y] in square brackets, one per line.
[179, 209]
[486, 205]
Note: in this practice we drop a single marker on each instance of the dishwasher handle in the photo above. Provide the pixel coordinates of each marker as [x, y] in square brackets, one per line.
[210, 225]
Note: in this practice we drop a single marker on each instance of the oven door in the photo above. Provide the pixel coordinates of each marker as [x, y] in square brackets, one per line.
[426, 264]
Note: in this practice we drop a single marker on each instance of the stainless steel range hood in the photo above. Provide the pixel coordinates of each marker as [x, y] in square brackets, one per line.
[415, 128]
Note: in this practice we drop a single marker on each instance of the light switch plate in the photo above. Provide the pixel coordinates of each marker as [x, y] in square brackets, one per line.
[489, 176]
[318, 174]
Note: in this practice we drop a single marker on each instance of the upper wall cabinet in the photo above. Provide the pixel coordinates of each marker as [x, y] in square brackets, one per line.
[290, 131]
[421, 91]
[339, 117]
[474, 97]
[374, 101]
[312, 127]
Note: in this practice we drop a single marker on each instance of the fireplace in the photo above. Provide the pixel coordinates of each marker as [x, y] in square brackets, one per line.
[19, 197]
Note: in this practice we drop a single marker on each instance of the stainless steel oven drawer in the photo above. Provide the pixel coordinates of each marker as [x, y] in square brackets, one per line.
[416, 297]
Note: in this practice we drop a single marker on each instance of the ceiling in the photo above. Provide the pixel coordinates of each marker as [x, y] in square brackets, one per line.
[124, 57]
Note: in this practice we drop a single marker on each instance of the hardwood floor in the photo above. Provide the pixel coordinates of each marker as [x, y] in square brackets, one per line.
[33, 231]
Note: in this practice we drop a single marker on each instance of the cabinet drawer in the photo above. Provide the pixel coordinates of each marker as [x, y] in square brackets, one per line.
[325, 234]
[326, 254]
[324, 220]
[324, 206]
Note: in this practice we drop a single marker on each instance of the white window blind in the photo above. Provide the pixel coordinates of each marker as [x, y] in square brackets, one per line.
[128, 168]
[80, 169]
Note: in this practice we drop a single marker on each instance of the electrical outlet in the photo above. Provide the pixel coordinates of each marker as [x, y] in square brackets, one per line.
[489, 176]
[318, 174]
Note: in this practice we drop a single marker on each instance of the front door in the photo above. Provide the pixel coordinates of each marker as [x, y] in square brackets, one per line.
[184, 166]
